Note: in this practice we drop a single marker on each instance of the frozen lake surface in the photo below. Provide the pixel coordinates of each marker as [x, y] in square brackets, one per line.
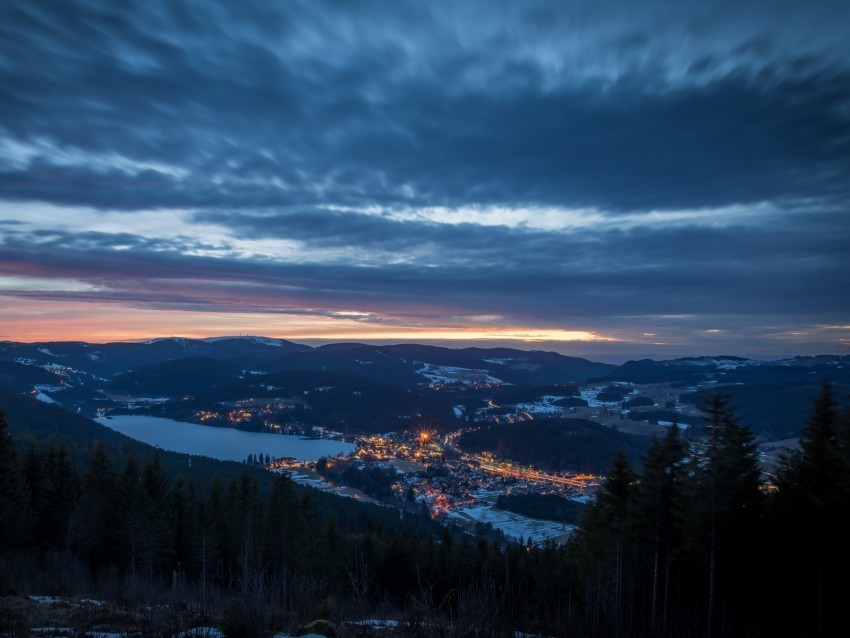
[225, 444]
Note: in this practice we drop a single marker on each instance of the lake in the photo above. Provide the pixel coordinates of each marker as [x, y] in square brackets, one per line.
[225, 444]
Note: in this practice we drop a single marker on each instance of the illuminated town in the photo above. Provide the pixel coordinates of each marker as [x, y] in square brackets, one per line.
[427, 470]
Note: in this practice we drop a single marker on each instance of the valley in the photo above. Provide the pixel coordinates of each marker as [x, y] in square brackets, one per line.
[381, 461]
[496, 421]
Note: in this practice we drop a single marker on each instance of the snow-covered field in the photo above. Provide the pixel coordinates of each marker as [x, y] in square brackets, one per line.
[590, 395]
[514, 526]
[544, 405]
[51, 388]
[452, 374]
[313, 480]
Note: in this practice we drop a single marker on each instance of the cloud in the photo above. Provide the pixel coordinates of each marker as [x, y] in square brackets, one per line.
[445, 104]
[792, 268]
[550, 163]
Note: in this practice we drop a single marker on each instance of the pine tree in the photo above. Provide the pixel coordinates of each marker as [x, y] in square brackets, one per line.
[180, 551]
[156, 514]
[602, 546]
[285, 527]
[33, 470]
[13, 497]
[657, 497]
[811, 507]
[130, 538]
[93, 523]
[730, 485]
[60, 491]
[244, 517]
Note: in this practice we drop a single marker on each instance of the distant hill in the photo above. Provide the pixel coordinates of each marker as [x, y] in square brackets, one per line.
[539, 367]
[694, 370]
[557, 444]
[404, 364]
[398, 364]
[108, 359]
[338, 400]
[381, 388]
[23, 378]
[52, 383]
[347, 386]
[192, 375]
[774, 398]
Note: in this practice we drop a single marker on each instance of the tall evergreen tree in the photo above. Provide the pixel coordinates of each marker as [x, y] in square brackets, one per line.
[34, 479]
[93, 522]
[156, 514]
[285, 532]
[731, 494]
[60, 491]
[812, 504]
[130, 537]
[13, 497]
[181, 529]
[602, 546]
[657, 496]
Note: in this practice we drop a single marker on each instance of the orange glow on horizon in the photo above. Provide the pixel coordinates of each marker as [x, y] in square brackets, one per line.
[47, 320]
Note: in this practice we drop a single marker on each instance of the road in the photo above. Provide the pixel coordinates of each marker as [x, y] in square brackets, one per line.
[528, 473]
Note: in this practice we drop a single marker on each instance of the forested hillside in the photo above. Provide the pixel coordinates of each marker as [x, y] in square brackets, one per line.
[675, 549]
[555, 444]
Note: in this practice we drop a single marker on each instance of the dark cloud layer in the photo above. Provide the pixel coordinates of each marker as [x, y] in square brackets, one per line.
[342, 127]
[527, 274]
[305, 96]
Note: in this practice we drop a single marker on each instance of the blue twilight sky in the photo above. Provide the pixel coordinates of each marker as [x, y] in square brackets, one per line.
[592, 177]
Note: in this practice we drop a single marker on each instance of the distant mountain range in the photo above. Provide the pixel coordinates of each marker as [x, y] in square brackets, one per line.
[397, 365]
[369, 387]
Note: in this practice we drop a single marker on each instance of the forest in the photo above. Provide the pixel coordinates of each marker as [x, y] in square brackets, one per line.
[578, 445]
[695, 540]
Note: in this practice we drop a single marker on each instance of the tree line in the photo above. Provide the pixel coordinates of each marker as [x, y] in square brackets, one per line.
[702, 543]
[698, 542]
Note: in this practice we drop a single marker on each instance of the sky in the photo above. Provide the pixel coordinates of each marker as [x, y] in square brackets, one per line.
[591, 177]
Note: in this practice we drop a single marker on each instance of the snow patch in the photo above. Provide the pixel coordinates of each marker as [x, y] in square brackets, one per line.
[47, 352]
[590, 395]
[136, 400]
[201, 632]
[178, 340]
[264, 341]
[51, 388]
[376, 623]
[47, 600]
[514, 526]
[682, 426]
[544, 405]
[450, 374]
[40, 396]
